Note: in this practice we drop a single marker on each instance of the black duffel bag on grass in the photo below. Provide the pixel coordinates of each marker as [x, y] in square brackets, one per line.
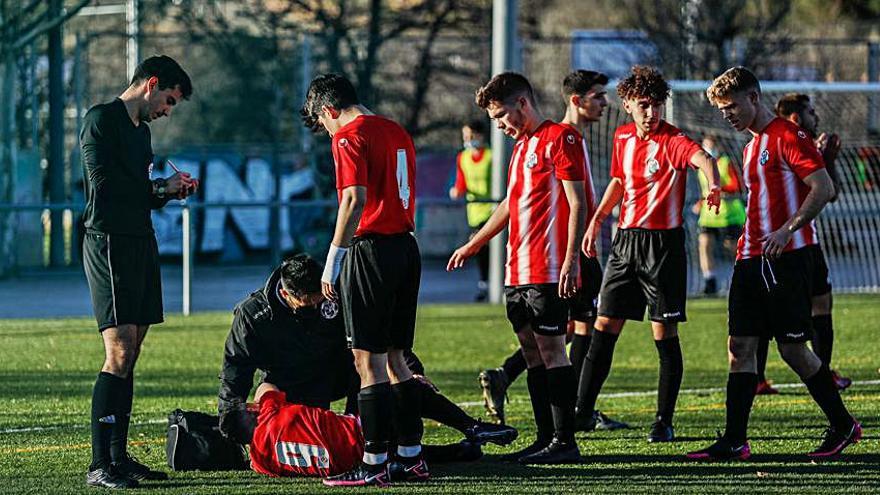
[195, 443]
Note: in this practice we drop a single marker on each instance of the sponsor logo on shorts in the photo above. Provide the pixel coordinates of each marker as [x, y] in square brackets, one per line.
[671, 315]
[548, 327]
[329, 309]
[794, 335]
[111, 419]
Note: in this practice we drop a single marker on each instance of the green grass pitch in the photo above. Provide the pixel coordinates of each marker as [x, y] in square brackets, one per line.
[47, 368]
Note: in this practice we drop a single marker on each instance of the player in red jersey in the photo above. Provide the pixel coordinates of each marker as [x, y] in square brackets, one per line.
[297, 440]
[647, 264]
[798, 109]
[771, 287]
[376, 260]
[544, 208]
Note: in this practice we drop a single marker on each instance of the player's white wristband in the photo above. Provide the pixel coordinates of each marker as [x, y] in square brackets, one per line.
[334, 264]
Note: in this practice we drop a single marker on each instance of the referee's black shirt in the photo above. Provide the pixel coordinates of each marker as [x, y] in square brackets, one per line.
[116, 159]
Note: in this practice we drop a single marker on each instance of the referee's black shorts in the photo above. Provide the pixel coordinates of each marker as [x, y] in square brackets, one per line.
[379, 291]
[821, 277]
[584, 304]
[645, 268]
[124, 279]
[773, 299]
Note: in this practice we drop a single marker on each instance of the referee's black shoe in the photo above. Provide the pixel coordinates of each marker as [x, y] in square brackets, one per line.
[536, 446]
[661, 431]
[482, 433]
[558, 452]
[131, 467]
[107, 477]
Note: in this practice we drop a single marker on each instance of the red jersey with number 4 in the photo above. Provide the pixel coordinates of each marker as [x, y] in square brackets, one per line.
[538, 206]
[589, 189]
[653, 172]
[296, 440]
[775, 162]
[377, 153]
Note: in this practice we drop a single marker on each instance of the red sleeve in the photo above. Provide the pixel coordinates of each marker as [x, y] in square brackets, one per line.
[680, 149]
[616, 168]
[568, 158]
[732, 185]
[799, 151]
[271, 401]
[460, 184]
[350, 155]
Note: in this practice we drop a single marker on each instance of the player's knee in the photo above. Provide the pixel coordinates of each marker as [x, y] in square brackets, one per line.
[398, 370]
[610, 325]
[741, 355]
[799, 358]
[822, 305]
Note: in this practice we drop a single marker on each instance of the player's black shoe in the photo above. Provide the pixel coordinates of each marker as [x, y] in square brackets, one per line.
[598, 421]
[408, 469]
[132, 468]
[363, 475]
[487, 432]
[536, 446]
[107, 477]
[494, 384]
[722, 450]
[557, 452]
[835, 441]
[661, 431]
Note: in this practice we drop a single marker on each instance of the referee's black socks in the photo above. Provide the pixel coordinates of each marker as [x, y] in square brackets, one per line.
[671, 371]
[595, 371]
[437, 407]
[561, 384]
[119, 437]
[824, 391]
[375, 405]
[408, 415]
[740, 396]
[514, 366]
[107, 403]
[823, 338]
[539, 395]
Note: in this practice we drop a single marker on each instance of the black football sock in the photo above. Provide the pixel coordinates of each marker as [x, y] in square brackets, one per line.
[740, 396]
[595, 371]
[539, 395]
[437, 407]
[105, 410]
[561, 383]
[408, 412]
[580, 344]
[514, 366]
[375, 405]
[824, 391]
[671, 371]
[119, 438]
[763, 348]
[823, 338]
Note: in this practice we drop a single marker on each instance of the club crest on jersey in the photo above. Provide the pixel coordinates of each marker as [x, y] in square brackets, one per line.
[329, 309]
[343, 143]
[653, 165]
[531, 160]
[569, 139]
[802, 134]
[765, 157]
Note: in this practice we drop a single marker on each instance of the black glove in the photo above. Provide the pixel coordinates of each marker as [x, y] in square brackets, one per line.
[238, 424]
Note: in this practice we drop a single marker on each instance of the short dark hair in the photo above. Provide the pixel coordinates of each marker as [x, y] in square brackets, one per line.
[579, 82]
[301, 275]
[644, 82]
[477, 126]
[330, 90]
[792, 103]
[733, 80]
[503, 88]
[169, 73]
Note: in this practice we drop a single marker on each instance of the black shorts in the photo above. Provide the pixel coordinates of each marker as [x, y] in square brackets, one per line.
[124, 279]
[821, 277]
[772, 299]
[731, 232]
[538, 307]
[645, 268]
[379, 291]
[583, 306]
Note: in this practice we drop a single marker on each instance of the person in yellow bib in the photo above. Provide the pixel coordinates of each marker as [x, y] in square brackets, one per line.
[473, 182]
[727, 225]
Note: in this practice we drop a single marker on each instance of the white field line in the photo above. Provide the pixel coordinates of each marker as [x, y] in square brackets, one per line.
[645, 393]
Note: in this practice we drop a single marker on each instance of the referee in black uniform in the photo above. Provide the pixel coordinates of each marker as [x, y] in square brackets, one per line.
[120, 255]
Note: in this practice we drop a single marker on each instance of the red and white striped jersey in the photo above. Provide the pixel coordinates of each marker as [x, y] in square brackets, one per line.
[653, 172]
[775, 162]
[538, 207]
[589, 189]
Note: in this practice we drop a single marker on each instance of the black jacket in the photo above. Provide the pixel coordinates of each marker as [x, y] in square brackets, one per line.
[303, 352]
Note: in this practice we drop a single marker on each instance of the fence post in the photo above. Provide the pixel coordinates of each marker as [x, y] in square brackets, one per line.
[873, 77]
[186, 218]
